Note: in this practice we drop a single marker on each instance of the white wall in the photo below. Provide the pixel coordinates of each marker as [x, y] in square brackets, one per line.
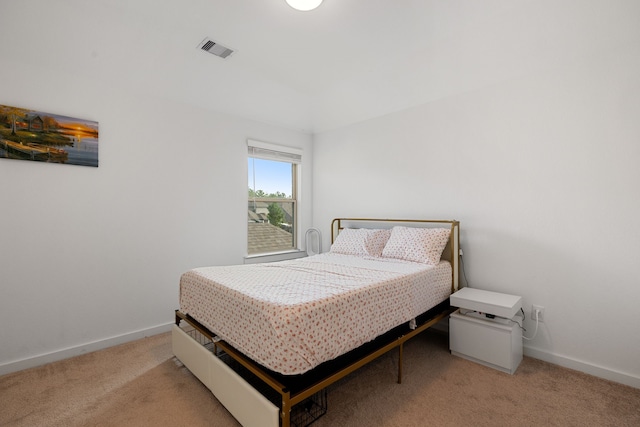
[92, 256]
[542, 171]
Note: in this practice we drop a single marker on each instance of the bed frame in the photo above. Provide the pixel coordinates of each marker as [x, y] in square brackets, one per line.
[283, 401]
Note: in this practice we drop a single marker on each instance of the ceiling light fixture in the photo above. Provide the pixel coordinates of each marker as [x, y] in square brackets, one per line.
[304, 5]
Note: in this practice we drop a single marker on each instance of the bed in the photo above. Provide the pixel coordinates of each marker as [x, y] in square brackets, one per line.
[272, 337]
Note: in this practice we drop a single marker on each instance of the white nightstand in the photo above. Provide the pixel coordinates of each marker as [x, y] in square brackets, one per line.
[484, 329]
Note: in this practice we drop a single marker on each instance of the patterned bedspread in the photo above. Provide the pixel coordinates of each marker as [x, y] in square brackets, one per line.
[291, 316]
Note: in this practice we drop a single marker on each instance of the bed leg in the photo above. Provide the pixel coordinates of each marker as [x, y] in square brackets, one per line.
[285, 415]
[400, 347]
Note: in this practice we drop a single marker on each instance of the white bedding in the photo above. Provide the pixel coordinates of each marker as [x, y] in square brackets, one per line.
[291, 316]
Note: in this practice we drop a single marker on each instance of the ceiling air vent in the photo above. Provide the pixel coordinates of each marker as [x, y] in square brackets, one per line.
[217, 49]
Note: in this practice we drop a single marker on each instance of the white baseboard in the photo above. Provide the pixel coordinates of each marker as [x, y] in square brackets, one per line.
[66, 353]
[587, 368]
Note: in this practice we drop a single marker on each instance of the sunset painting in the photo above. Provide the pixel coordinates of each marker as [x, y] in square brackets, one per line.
[44, 137]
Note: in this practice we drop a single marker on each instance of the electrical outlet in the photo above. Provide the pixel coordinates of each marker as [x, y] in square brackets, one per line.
[537, 313]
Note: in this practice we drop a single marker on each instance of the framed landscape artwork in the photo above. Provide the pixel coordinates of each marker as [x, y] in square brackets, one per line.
[44, 137]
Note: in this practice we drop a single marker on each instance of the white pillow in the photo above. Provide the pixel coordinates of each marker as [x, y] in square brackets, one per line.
[361, 242]
[417, 244]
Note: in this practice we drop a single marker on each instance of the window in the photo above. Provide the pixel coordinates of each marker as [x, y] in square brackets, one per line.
[273, 198]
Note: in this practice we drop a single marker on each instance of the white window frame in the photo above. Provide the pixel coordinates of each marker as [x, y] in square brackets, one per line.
[293, 155]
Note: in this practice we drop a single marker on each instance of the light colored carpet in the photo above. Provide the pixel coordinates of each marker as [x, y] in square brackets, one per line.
[141, 384]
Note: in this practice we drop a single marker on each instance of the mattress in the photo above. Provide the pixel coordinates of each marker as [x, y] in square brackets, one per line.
[291, 316]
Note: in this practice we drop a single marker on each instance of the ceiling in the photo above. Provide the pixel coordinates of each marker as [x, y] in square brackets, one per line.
[345, 62]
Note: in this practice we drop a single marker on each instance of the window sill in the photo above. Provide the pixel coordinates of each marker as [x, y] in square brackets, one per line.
[274, 256]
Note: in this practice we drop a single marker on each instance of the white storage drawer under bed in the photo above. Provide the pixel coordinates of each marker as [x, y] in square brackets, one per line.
[247, 405]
